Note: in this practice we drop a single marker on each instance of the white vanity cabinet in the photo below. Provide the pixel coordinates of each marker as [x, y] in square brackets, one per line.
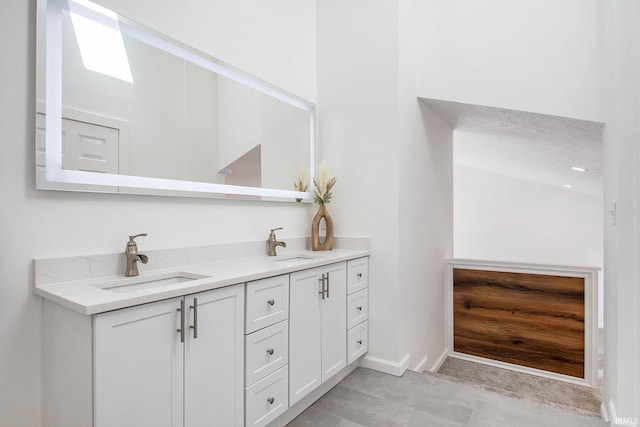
[149, 365]
[317, 333]
[266, 350]
[249, 342]
[357, 308]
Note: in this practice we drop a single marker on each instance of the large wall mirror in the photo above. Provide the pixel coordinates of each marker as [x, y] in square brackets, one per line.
[121, 108]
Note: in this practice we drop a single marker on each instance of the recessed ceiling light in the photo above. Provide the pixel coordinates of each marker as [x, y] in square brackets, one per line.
[578, 169]
[567, 185]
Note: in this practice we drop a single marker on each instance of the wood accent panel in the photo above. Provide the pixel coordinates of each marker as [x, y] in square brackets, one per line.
[531, 320]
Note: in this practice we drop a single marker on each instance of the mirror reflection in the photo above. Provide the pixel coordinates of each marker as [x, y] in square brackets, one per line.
[135, 105]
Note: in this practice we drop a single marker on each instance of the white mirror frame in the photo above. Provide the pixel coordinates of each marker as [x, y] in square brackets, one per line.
[50, 36]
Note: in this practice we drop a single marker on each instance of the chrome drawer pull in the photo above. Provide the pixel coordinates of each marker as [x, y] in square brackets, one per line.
[181, 330]
[327, 285]
[323, 292]
[271, 302]
[360, 342]
[271, 400]
[195, 318]
[270, 351]
[359, 308]
[359, 275]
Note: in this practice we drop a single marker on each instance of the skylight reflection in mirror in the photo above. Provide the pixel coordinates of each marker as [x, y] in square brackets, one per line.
[102, 48]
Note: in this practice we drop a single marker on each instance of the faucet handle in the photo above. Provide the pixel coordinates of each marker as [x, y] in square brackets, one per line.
[137, 235]
[272, 235]
[132, 242]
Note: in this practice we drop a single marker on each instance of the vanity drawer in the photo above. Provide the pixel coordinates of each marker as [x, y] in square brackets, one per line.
[357, 274]
[267, 399]
[357, 342]
[267, 302]
[267, 350]
[357, 308]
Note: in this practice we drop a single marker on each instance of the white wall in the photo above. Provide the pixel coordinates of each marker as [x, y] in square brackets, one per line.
[497, 217]
[426, 207]
[426, 240]
[251, 34]
[540, 56]
[357, 123]
[392, 157]
[622, 187]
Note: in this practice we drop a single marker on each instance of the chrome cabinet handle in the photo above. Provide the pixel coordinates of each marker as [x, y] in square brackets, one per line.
[270, 400]
[322, 292]
[359, 308]
[327, 285]
[359, 275]
[195, 318]
[270, 351]
[271, 301]
[181, 330]
[360, 342]
[325, 290]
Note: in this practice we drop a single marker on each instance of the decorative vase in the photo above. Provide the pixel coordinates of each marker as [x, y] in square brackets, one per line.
[327, 244]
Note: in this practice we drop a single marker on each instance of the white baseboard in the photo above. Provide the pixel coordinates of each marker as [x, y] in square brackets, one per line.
[604, 414]
[386, 366]
[611, 411]
[421, 366]
[615, 420]
[436, 366]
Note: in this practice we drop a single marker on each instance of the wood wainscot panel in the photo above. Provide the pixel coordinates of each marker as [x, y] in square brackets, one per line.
[531, 320]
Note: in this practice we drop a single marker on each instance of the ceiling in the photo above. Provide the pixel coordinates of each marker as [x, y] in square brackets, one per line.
[530, 146]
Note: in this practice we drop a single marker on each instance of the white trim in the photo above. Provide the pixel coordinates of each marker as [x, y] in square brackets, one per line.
[386, 366]
[436, 366]
[519, 267]
[590, 276]
[613, 419]
[612, 413]
[603, 412]
[421, 366]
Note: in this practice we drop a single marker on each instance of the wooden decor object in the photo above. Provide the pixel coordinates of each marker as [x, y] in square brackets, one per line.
[327, 244]
[531, 320]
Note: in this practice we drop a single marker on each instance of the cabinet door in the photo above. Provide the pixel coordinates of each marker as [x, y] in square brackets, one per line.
[305, 351]
[334, 321]
[214, 359]
[138, 362]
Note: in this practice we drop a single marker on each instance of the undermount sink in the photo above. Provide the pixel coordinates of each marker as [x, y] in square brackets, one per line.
[148, 281]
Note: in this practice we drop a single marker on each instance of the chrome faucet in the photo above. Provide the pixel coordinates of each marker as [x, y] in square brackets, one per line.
[131, 252]
[272, 243]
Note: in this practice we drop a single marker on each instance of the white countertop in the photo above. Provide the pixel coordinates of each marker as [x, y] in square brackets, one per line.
[90, 296]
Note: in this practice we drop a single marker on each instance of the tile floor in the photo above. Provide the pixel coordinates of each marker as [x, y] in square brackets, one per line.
[370, 398]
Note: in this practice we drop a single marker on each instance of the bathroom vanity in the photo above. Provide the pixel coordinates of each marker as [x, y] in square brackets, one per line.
[207, 338]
